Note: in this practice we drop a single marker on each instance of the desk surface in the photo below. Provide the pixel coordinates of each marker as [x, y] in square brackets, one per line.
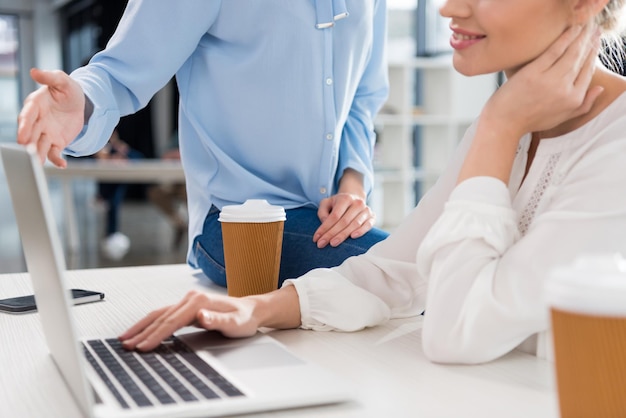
[146, 170]
[385, 363]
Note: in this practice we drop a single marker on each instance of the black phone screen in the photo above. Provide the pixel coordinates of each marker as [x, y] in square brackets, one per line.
[22, 304]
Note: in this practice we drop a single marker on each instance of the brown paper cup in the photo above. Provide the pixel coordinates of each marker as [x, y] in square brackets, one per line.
[252, 256]
[253, 237]
[590, 360]
[588, 315]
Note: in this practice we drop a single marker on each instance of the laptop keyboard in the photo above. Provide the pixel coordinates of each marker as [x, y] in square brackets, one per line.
[171, 373]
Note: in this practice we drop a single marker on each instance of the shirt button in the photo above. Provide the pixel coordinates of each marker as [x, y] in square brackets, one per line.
[323, 190]
[329, 81]
[329, 136]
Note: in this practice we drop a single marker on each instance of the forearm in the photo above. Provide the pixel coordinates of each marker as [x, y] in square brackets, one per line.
[492, 151]
[352, 183]
[279, 309]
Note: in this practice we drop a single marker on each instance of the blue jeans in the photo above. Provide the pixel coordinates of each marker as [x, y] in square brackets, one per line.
[113, 194]
[299, 253]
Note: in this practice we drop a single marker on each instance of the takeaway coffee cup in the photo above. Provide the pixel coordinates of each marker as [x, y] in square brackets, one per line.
[253, 238]
[588, 312]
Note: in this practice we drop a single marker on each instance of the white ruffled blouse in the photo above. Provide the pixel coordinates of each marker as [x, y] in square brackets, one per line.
[475, 256]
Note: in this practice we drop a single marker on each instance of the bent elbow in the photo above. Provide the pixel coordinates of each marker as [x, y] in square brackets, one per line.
[446, 348]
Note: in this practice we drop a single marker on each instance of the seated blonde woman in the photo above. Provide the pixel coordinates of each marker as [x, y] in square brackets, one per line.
[538, 180]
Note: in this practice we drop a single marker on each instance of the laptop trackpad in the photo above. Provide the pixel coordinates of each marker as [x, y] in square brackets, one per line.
[254, 356]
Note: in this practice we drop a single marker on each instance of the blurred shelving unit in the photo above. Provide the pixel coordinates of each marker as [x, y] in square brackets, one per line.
[429, 108]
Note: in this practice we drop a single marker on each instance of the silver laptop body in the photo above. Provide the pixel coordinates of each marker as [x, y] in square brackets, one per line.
[259, 373]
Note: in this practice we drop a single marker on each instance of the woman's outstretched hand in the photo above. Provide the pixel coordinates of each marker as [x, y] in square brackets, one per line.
[52, 116]
[233, 317]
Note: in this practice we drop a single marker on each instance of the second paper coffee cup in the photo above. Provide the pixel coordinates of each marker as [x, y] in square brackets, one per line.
[253, 238]
[587, 303]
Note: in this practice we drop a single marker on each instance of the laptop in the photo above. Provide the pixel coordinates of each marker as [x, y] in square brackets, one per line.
[197, 373]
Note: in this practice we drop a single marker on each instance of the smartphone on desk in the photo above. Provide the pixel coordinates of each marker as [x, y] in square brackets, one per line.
[25, 304]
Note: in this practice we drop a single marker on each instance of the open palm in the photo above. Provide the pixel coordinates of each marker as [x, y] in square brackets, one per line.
[52, 116]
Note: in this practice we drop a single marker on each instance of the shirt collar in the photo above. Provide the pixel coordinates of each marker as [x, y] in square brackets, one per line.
[329, 11]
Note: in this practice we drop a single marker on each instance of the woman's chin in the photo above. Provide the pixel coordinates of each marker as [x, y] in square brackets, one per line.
[467, 69]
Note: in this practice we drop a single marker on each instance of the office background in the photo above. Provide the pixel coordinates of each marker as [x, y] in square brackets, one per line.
[64, 34]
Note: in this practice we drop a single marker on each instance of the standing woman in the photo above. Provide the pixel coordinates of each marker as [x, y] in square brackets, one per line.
[277, 102]
[537, 181]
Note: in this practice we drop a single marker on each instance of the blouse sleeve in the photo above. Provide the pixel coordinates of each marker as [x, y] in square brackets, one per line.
[486, 281]
[384, 282]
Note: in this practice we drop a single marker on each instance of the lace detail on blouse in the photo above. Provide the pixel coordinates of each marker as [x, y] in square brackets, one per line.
[529, 211]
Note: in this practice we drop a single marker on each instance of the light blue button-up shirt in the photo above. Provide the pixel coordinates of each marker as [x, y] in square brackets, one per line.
[277, 97]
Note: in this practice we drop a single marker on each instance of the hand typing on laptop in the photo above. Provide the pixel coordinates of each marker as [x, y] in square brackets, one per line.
[233, 317]
[191, 374]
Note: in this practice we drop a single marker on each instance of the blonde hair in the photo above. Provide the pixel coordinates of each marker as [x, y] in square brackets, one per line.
[612, 22]
[611, 18]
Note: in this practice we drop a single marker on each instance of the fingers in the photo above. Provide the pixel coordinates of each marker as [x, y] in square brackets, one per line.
[579, 57]
[350, 217]
[55, 79]
[590, 98]
[52, 116]
[326, 206]
[27, 128]
[163, 327]
[231, 316]
[558, 48]
[568, 56]
[562, 74]
[572, 56]
[159, 325]
[338, 219]
[142, 324]
[54, 155]
[149, 332]
[43, 147]
[586, 69]
[583, 80]
[367, 224]
[39, 76]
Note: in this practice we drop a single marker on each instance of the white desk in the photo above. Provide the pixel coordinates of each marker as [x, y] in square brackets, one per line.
[385, 363]
[117, 171]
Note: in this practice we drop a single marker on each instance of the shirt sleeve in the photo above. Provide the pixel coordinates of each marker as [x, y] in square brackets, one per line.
[383, 283]
[152, 41]
[358, 137]
[486, 281]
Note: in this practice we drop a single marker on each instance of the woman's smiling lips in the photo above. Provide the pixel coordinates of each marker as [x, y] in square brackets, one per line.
[462, 39]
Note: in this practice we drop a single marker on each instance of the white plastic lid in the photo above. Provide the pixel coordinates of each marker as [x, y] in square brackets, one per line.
[253, 210]
[592, 285]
